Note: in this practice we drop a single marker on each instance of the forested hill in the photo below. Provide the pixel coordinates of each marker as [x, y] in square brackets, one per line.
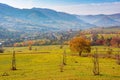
[38, 23]
[41, 19]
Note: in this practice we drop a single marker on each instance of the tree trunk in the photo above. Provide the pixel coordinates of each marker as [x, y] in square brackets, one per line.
[80, 53]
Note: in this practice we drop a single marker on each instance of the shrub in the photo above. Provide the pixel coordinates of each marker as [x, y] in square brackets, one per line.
[1, 50]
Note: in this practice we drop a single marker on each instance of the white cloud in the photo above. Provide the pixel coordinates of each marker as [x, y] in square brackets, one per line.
[92, 8]
[26, 3]
[17, 3]
[99, 8]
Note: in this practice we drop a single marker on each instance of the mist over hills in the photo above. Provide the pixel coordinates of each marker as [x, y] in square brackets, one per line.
[102, 20]
[40, 20]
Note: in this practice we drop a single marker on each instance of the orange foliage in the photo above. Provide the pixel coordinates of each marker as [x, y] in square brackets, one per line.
[15, 45]
[30, 42]
[115, 41]
[80, 44]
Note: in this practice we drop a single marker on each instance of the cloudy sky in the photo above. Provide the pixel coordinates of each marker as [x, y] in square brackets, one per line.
[70, 6]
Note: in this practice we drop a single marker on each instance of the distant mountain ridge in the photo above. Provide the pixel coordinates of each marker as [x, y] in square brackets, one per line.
[39, 19]
[102, 20]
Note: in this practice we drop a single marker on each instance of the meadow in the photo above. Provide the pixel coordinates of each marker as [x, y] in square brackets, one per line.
[44, 63]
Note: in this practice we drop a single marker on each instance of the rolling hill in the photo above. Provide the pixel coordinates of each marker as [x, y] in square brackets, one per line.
[39, 19]
[101, 20]
[30, 21]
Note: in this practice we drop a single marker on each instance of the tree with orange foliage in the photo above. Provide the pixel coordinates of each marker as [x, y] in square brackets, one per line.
[115, 41]
[80, 44]
[15, 44]
[30, 44]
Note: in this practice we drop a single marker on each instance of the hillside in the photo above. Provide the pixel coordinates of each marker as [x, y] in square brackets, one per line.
[38, 19]
[113, 29]
[41, 19]
[101, 20]
[34, 22]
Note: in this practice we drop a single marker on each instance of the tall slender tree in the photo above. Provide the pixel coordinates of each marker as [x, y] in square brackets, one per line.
[13, 61]
[96, 63]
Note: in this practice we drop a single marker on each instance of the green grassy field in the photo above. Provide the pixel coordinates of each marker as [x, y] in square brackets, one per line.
[44, 63]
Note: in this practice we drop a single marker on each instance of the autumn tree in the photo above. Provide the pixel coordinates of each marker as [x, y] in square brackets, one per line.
[115, 41]
[100, 42]
[80, 44]
[30, 44]
[24, 43]
[15, 44]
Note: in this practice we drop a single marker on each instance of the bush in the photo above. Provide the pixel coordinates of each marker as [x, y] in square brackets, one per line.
[1, 50]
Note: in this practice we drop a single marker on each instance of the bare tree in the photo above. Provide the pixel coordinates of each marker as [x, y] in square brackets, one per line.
[13, 61]
[63, 61]
[96, 63]
[64, 57]
[118, 58]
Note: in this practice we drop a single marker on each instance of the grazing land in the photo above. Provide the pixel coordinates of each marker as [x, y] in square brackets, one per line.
[44, 63]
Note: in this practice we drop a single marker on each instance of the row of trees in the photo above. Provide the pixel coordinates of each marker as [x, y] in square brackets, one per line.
[40, 38]
[113, 41]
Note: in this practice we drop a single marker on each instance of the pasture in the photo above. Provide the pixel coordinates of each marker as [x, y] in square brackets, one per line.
[44, 63]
